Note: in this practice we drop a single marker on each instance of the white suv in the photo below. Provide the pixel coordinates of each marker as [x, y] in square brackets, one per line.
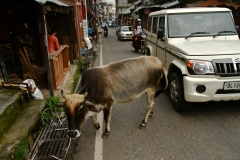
[200, 52]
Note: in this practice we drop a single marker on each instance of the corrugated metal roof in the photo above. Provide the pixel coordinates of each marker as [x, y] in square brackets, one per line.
[137, 2]
[132, 7]
[125, 11]
[169, 4]
[165, 5]
[216, 3]
[53, 1]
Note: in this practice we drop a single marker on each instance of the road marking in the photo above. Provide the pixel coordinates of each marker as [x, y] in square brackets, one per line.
[98, 153]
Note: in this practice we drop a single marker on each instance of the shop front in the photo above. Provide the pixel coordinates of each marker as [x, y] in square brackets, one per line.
[24, 28]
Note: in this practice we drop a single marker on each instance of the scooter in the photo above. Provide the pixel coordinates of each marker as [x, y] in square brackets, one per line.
[140, 42]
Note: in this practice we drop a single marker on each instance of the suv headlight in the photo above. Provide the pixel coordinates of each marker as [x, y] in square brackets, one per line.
[199, 67]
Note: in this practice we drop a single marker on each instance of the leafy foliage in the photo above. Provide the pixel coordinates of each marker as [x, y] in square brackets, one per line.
[20, 151]
[80, 69]
[52, 104]
[80, 66]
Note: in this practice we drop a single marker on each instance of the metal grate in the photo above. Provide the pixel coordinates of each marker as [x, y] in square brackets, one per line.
[52, 143]
[226, 67]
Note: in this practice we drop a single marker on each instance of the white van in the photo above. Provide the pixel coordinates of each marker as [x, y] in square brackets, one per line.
[200, 52]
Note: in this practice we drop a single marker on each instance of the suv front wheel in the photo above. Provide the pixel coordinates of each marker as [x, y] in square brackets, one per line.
[177, 92]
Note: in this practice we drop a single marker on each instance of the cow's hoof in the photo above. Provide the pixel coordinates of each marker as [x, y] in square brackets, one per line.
[105, 135]
[151, 114]
[142, 126]
[97, 127]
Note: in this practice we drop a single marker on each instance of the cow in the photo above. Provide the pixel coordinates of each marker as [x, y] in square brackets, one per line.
[118, 82]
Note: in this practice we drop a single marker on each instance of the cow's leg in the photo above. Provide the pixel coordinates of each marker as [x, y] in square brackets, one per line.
[94, 120]
[107, 118]
[149, 111]
[95, 123]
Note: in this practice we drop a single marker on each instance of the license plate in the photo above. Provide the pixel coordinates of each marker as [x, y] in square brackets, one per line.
[231, 86]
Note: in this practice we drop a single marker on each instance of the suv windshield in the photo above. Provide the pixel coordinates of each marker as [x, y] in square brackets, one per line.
[200, 24]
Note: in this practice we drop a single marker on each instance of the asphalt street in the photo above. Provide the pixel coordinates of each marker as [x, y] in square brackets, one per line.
[207, 131]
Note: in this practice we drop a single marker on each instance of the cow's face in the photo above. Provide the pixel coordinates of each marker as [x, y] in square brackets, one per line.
[78, 110]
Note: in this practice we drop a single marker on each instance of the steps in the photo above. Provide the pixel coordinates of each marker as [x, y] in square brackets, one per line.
[20, 121]
[18, 117]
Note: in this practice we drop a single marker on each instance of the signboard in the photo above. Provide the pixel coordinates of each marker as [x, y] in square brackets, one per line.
[85, 28]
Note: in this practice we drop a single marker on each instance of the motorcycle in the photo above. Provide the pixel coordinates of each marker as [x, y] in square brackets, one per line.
[140, 42]
[105, 33]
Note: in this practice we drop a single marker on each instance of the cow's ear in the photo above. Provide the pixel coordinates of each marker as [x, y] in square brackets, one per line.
[90, 106]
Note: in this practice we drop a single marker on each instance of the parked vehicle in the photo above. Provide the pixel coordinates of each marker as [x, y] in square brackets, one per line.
[125, 33]
[111, 24]
[199, 49]
[140, 43]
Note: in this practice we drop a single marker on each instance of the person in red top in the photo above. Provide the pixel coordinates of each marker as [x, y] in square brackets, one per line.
[53, 44]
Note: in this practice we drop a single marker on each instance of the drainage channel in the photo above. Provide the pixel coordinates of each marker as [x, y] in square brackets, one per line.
[51, 143]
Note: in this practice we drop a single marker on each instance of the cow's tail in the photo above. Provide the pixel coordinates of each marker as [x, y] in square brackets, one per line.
[162, 85]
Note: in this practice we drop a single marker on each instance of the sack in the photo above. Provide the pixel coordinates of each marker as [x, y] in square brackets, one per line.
[88, 42]
[37, 93]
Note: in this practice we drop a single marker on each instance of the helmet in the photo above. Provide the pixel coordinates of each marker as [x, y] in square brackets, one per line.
[139, 20]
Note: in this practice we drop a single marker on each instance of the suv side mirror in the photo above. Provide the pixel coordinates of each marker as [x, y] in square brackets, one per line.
[237, 28]
[160, 34]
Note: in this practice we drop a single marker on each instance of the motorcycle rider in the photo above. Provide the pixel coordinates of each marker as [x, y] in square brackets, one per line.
[138, 29]
[105, 28]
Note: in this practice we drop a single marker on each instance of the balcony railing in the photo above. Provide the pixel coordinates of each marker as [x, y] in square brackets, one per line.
[59, 65]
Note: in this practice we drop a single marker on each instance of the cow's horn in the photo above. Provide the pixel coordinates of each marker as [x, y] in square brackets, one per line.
[85, 94]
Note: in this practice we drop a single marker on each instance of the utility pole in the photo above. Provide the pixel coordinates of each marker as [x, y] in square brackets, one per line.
[95, 18]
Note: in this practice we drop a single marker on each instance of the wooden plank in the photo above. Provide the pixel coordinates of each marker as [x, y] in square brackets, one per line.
[70, 52]
[28, 65]
[35, 145]
[65, 57]
[25, 50]
[55, 53]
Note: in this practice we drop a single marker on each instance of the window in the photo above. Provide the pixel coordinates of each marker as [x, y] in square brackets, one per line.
[161, 24]
[154, 25]
[149, 24]
[202, 24]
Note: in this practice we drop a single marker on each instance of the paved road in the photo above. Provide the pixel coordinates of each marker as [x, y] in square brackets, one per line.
[208, 131]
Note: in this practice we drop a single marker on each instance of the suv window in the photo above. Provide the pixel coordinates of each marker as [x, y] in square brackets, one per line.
[161, 24]
[154, 25]
[149, 24]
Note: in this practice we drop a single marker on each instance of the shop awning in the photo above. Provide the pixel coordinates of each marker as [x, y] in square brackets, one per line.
[137, 9]
[132, 7]
[169, 4]
[137, 2]
[65, 3]
[126, 11]
[165, 5]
